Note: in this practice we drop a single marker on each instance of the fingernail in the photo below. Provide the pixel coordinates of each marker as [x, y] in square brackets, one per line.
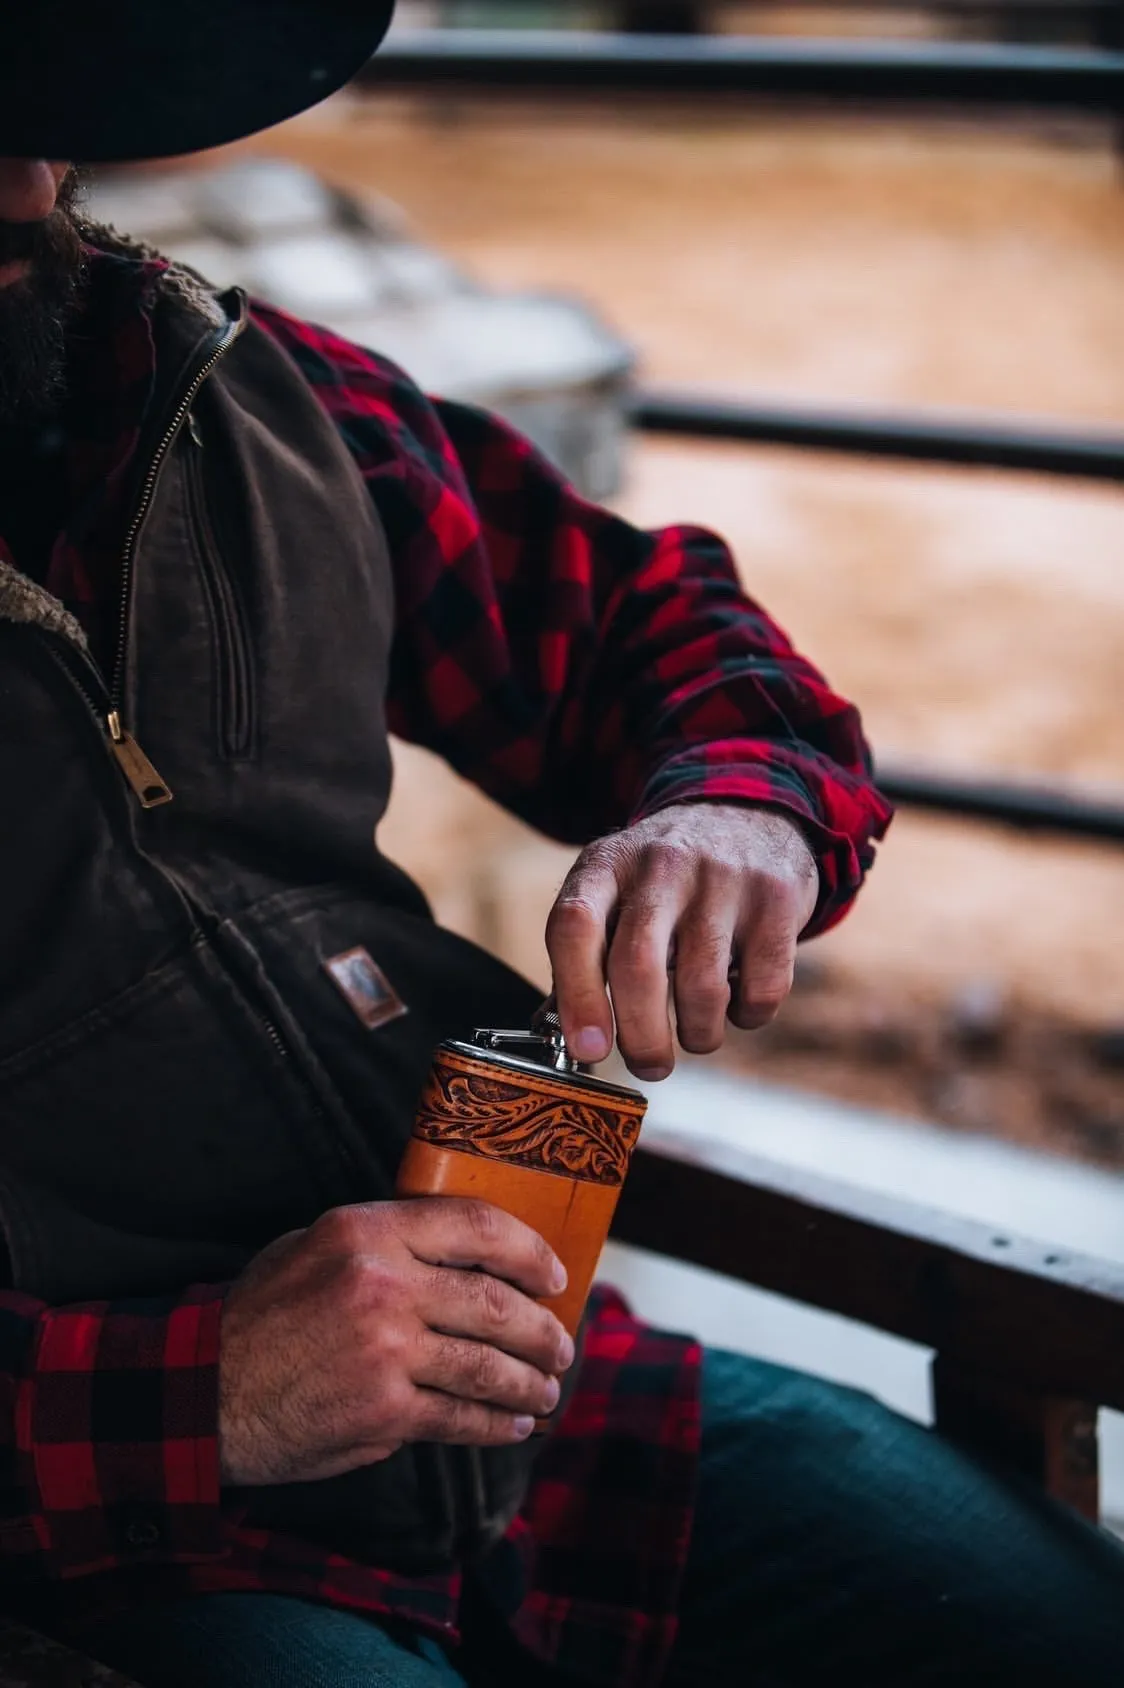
[591, 1044]
[651, 1075]
[558, 1278]
[565, 1352]
[522, 1428]
[553, 1391]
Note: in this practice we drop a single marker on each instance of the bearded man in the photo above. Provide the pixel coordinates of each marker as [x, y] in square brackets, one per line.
[261, 1422]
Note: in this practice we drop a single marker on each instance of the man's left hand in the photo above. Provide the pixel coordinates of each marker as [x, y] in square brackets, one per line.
[709, 896]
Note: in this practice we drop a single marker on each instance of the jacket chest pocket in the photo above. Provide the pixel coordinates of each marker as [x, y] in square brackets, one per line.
[234, 701]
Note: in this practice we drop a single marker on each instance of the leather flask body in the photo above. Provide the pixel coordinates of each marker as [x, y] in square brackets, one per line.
[510, 1119]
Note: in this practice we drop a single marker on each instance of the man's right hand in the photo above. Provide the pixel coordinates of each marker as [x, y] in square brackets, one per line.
[383, 1324]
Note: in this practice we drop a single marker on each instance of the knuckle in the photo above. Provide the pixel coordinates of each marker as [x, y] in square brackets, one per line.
[770, 950]
[375, 1291]
[773, 959]
[338, 1230]
[383, 1347]
[701, 1012]
[391, 1341]
[776, 892]
[550, 1340]
[709, 994]
[790, 887]
[636, 955]
[643, 1009]
[769, 981]
[766, 880]
[709, 942]
[701, 1019]
[766, 992]
[484, 1222]
[495, 1300]
[393, 1409]
[542, 1256]
[603, 855]
[703, 981]
[767, 971]
[668, 858]
[357, 1281]
[455, 1418]
[482, 1371]
[761, 1004]
[573, 916]
[650, 1060]
[438, 1419]
[702, 1037]
[721, 868]
[781, 895]
[701, 1042]
[644, 1035]
[493, 1427]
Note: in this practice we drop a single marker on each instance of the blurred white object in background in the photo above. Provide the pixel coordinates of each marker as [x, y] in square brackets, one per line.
[545, 363]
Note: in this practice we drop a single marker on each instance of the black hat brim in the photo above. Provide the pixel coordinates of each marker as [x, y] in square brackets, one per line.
[140, 79]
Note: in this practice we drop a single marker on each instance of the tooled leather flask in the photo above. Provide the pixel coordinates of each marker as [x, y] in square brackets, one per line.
[511, 1118]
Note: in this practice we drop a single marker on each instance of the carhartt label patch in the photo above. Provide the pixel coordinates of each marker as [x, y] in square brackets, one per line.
[365, 987]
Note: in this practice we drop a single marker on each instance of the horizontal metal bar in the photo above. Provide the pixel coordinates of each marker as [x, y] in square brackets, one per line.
[1047, 1318]
[1097, 456]
[821, 69]
[1026, 808]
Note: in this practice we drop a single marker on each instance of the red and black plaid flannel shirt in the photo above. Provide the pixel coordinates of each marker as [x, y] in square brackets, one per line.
[583, 673]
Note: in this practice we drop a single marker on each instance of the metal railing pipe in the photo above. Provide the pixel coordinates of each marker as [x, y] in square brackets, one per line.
[898, 71]
[1044, 449]
[1026, 808]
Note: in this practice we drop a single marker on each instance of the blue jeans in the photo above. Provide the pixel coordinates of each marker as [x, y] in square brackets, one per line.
[834, 1542]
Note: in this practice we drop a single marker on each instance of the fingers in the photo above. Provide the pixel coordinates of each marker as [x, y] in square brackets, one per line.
[703, 958]
[766, 960]
[475, 1372]
[576, 942]
[734, 945]
[450, 1231]
[638, 973]
[720, 886]
[485, 1309]
[437, 1417]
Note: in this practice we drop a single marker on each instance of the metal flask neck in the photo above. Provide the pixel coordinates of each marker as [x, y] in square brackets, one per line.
[542, 1044]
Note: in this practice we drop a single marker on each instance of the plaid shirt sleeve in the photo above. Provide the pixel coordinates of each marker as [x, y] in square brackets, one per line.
[582, 672]
[109, 1434]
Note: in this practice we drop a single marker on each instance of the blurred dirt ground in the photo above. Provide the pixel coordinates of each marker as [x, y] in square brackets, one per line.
[977, 618]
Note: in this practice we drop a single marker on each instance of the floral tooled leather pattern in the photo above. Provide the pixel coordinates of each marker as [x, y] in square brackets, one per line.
[529, 1121]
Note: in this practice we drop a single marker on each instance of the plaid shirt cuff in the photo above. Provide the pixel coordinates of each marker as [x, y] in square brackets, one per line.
[117, 1429]
[841, 819]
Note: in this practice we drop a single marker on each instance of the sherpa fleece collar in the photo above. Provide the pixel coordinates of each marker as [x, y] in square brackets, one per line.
[23, 600]
[151, 276]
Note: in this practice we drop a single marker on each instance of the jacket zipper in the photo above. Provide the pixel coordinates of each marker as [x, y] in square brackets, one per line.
[236, 723]
[150, 790]
[87, 681]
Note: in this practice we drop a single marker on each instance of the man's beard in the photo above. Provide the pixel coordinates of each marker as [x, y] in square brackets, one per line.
[34, 312]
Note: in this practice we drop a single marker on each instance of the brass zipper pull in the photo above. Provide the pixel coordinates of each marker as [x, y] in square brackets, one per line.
[134, 764]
